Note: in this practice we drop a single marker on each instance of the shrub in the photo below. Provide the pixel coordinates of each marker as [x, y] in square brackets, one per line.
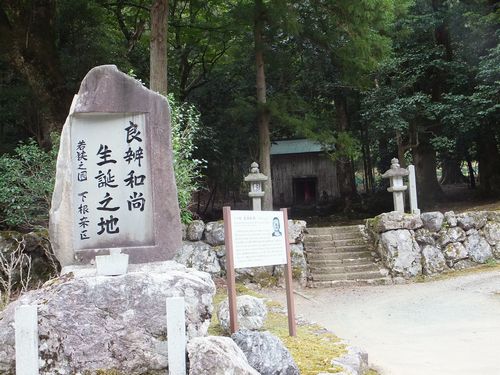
[185, 128]
[26, 184]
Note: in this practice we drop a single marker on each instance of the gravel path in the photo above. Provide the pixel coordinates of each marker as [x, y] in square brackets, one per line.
[435, 328]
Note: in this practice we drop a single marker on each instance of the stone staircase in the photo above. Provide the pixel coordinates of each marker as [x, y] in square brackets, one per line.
[340, 256]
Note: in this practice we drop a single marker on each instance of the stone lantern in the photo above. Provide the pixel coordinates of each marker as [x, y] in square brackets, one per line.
[256, 180]
[397, 188]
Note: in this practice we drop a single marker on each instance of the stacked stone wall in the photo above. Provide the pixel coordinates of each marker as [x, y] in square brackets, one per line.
[410, 245]
[203, 248]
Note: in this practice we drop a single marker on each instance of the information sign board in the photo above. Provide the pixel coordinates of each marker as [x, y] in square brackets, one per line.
[258, 238]
[254, 239]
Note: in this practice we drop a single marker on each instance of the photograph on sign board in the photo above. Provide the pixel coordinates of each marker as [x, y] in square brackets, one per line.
[276, 227]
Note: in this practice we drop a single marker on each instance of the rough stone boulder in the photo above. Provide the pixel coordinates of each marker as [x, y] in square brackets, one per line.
[450, 219]
[464, 264]
[494, 216]
[355, 362]
[479, 250]
[299, 263]
[395, 220]
[432, 220]
[88, 323]
[425, 237]
[264, 276]
[454, 234]
[215, 355]
[455, 251]
[296, 229]
[496, 250]
[214, 233]
[492, 233]
[400, 252]
[195, 230]
[199, 255]
[252, 313]
[220, 251]
[265, 353]
[432, 260]
[472, 220]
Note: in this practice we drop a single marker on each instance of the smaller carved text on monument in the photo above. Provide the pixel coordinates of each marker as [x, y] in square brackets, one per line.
[112, 184]
[257, 238]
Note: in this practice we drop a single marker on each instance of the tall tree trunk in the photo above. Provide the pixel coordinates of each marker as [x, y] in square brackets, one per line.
[371, 179]
[27, 38]
[401, 149]
[451, 172]
[443, 38]
[158, 47]
[489, 162]
[428, 187]
[367, 162]
[366, 181]
[386, 154]
[345, 172]
[424, 154]
[472, 177]
[263, 112]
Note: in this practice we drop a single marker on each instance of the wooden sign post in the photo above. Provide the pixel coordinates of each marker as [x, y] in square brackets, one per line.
[231, 278]
[255, 239]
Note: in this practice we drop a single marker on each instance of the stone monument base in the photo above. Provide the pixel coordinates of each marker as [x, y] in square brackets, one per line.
[89, 323]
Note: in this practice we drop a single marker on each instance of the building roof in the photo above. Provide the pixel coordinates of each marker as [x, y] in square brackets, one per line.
[295, 146]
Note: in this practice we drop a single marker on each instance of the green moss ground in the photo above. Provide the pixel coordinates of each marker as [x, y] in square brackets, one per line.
[312, 349]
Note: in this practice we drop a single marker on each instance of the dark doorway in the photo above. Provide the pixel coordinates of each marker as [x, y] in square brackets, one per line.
[304, 190]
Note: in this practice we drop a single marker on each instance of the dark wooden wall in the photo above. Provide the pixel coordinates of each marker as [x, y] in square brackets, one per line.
[285, 168]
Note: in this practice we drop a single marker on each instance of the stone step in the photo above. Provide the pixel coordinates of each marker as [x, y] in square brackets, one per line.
[312, 238]
[333, 244]
[321, 269]
[346, 276]
[347, 236]
[340, 283]
[349, 242]
[343, 249]
[339, 235]
[336, 242]
[334, 230]
[329, 237]
[340, 255]
[339, 262]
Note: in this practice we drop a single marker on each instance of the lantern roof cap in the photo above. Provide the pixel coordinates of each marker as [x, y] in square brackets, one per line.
[255, 175]
[395, 170]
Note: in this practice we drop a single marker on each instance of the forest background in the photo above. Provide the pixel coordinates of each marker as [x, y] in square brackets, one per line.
[368, 79]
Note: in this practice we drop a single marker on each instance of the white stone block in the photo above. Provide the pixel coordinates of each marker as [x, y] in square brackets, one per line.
[113, 264]
[176, 335]
[412, 181]
[26, 335]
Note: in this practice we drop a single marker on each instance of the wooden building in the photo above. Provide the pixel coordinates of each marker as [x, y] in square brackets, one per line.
[302, 174]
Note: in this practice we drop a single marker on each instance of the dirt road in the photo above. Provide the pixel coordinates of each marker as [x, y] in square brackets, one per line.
[442, 327]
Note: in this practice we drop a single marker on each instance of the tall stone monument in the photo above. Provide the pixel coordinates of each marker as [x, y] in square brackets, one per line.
[115, 185]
